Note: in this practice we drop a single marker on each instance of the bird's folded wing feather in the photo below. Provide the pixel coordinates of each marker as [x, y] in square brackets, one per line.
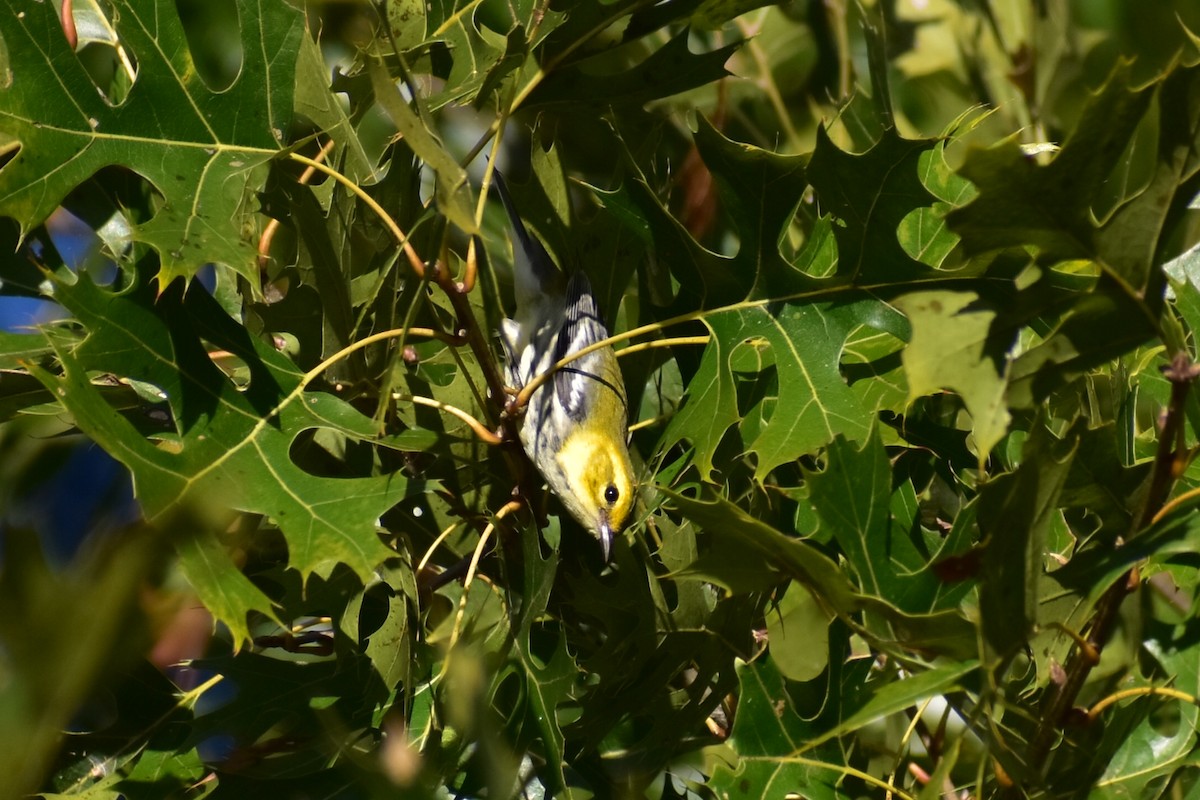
[575, 384]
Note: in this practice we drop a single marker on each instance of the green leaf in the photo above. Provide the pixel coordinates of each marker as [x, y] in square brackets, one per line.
[453, 190]
[927, 451]
[713, 13]
[924, 233]
[1164, 740]
[547, 679]
[282, 697]
[1022, 203]
[698, 273]
[1130, 242]
[163, 772]
[206, 152]
[316, 102]
[897, 695]
[814, 405]
[759, 190]
[388, 643]
[951, 348]
[870, 194]
[1015, 511]
[776, 747]
[851, 496]
[766, 731]
[328, 272]
[668, 70]
[233, 445]
[791, 557]
[798, 630]
[408, 22]
[1174, 537]
[475, 51]
[1095, 327]
[583, 21]
[225, 591]
[17, 348]
[872, 365]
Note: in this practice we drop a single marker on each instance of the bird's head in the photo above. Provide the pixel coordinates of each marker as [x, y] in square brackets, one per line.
[600, 483]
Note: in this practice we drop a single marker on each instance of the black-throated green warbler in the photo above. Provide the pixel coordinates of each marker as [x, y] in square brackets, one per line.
[575, 429]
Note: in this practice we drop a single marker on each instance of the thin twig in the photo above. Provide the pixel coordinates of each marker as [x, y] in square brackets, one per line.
[268, 234]
[656, 343]
[395, 333]
[469, 328]
[414, 260]
[471, 269]
[455, 632]
[850, 771]
[1141, 691]
[488, 437]
[458, 299]
[1175, 503]
[441, 537]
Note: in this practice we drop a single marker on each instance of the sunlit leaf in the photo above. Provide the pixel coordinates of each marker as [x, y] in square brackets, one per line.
[206, 155]
[951, 349]
[814, 404]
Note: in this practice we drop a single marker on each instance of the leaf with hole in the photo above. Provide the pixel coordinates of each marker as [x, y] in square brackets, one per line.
[206, 152]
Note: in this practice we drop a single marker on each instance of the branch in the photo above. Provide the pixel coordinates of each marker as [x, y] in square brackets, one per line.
[1169, 462]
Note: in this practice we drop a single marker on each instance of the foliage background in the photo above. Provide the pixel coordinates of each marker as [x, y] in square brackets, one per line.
[916, 288]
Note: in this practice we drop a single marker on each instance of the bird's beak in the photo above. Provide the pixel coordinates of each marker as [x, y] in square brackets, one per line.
[606, 536]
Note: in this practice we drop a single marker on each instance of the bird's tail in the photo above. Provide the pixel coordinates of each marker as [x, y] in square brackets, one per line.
[534, 270]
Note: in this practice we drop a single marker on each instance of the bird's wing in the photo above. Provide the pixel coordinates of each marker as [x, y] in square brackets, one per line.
[582, 326]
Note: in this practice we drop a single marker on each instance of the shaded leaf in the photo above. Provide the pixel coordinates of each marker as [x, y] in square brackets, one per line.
[870, 194]
[547, 681]
[766, 732]
[894, 696]
[231, 444]
[1164, 739]
[798, 632]
[667, 71]
[453, 191]
[852, 498]
[791, 557]
[227, 593]
[760, 191]
[1015, 511]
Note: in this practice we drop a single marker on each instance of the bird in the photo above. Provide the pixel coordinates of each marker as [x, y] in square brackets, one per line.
[575, 427]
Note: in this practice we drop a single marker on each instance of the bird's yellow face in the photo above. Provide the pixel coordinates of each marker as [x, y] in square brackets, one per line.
[600, 482]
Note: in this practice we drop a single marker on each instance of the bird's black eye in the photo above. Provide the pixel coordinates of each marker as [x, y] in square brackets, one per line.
[611, 495]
